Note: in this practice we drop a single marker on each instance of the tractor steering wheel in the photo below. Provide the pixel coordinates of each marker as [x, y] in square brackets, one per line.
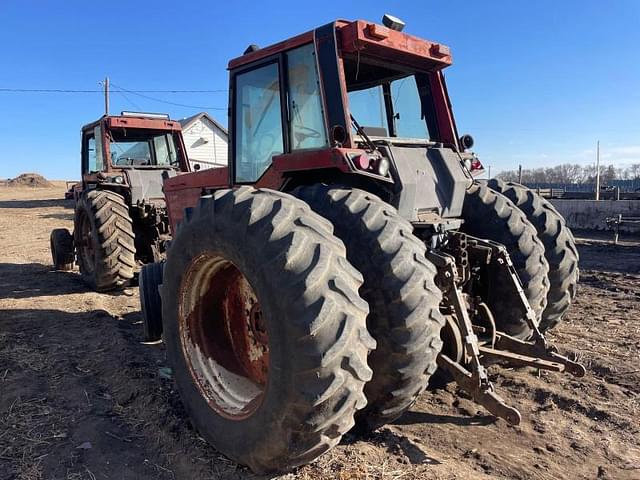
[302, 133]
[312, 132]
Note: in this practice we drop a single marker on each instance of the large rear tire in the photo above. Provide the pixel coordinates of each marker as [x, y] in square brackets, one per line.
[559, 246]
[104, 240]
[399, 285]
[491, 215]
[264, 328]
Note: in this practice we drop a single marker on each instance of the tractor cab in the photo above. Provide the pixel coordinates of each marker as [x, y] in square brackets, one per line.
[129, 154]
[351, 99]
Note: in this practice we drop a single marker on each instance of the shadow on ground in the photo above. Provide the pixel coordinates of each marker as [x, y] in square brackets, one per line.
[29, 280]
[42, 203]
[412, 417]
[607, 257]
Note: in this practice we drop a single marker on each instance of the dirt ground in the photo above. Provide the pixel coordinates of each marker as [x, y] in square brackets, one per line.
[81, 397]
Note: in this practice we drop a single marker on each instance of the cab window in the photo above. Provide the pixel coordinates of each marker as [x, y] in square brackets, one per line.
[165, 149]
[258, 121]
[94, 151]
[367, 106]
[306, 125]
[407, 107]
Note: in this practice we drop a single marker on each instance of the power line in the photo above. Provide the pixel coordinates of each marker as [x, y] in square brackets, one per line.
[63, 90]
[127, 99]
[46, 90]
[166, 101]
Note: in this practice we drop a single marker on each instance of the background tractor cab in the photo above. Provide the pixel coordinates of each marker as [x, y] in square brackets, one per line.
[352, 102]
[131, 151]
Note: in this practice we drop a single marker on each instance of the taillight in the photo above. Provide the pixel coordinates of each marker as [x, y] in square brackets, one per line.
[362, 161]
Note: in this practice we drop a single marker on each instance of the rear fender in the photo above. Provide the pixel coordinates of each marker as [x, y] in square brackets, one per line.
[184, 191]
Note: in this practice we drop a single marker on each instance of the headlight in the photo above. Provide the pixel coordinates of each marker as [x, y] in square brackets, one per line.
[383, 167]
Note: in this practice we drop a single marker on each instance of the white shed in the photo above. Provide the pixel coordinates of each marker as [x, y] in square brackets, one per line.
[206, 141]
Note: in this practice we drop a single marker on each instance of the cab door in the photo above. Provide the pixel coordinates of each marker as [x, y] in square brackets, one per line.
[278, 108]
[92, 154]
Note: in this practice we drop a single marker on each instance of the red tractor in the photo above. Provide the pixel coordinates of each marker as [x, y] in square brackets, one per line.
[347, 254]
[120, 216]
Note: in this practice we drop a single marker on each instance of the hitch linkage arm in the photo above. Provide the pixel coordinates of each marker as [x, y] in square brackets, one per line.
[472, 376]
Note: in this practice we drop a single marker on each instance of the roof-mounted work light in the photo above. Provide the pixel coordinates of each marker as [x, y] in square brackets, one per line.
[394, 23]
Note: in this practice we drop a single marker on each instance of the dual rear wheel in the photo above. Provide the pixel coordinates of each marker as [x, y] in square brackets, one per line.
[539, 242]
[265, 320]
[560, 249]
[290, 319]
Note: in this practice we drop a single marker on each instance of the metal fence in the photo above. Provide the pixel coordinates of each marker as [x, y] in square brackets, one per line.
[623, 185]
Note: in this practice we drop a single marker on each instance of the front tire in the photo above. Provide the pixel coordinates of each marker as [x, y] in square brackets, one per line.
[149, 282]
[104, 240]
[399, 285]
[264, 328]
[61, 243]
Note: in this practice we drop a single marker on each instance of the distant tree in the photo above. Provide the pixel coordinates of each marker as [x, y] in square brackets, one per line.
[609, 174]
[508, 176]
[571, 173]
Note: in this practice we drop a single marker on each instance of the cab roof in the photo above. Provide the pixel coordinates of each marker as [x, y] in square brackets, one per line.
[370, 39]
[136, 121]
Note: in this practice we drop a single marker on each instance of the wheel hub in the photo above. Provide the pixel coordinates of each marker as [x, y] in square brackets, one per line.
[224, 336]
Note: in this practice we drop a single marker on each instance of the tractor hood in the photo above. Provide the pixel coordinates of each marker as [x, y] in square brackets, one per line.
[146, 184]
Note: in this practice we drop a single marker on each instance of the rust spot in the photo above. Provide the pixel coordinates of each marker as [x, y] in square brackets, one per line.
[224, 336]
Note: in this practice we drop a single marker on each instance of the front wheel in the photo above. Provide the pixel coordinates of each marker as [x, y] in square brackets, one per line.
[149, 283]
[61, 243]
[264, 328]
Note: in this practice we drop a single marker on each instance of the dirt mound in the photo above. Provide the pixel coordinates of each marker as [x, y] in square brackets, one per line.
[29, 180]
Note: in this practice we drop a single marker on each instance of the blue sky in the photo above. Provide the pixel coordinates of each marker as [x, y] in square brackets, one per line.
[535, 83]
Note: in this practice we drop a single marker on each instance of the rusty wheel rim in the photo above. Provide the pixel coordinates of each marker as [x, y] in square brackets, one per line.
[86, 251]
[223, 336]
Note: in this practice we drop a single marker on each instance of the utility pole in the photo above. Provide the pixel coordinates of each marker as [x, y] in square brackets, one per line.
[489, 173]
[598, 170]
[519, 173]
[105, 84]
